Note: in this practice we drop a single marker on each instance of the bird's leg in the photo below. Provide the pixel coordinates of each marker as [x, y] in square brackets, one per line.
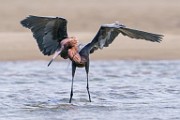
[73, 73]
[87, 71]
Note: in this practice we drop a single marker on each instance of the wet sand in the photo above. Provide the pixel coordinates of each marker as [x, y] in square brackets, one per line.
[22, 46]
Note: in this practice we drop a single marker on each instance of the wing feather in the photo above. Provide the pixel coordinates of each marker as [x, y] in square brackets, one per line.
[103, 38]
[48, 32]
[108, 32]
[132, 33]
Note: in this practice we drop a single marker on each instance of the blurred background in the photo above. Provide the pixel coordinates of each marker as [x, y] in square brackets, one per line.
[156, 15]
[84, 19]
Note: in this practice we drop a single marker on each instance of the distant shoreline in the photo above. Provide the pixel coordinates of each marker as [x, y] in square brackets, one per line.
[21, 46]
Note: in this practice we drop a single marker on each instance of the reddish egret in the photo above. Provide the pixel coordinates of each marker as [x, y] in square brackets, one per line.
[52, 38]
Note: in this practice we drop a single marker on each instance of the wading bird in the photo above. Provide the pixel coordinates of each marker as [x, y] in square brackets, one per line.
[52, 38]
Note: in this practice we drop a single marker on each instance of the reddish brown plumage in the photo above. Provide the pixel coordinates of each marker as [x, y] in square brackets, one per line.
[70, 50]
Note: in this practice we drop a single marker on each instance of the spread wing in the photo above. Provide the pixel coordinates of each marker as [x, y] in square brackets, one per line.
[108, 32]
[48, 32]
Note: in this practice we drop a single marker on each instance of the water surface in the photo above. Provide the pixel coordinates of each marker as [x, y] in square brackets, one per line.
[120, 90]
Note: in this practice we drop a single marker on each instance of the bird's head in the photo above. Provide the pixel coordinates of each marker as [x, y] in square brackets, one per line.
[66, 44]
[72, 42]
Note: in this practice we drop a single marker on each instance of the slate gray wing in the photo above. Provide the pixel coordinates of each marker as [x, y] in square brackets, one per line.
[137, 34]
[108, 32]
[48, 32]
[103, 38]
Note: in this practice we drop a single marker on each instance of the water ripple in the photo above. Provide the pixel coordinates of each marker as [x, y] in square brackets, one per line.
[123, 90]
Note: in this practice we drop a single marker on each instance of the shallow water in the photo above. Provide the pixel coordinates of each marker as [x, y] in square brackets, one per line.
[120, 90]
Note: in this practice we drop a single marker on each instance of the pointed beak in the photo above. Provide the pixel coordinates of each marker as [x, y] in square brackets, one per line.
[55, 56]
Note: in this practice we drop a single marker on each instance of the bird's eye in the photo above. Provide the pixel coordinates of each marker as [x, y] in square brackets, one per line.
[69, 47]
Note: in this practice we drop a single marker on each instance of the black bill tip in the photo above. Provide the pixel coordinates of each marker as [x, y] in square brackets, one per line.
[50, 62]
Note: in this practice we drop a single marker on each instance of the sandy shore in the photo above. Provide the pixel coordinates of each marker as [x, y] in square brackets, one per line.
[22, 46]
[84, 19]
